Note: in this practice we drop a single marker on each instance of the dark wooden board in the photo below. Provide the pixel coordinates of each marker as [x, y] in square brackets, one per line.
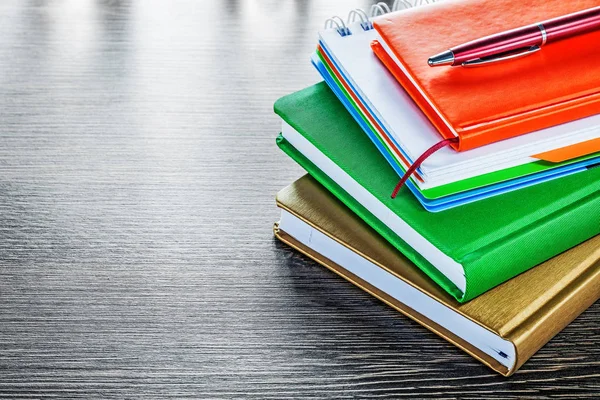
[138, 170]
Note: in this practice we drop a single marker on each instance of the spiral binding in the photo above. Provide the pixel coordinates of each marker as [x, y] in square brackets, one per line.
[365, 18]
[340, 25]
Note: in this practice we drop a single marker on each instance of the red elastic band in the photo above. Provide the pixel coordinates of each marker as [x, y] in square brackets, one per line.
[410, 171]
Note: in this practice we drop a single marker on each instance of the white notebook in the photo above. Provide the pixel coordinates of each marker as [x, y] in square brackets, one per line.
[405, 124]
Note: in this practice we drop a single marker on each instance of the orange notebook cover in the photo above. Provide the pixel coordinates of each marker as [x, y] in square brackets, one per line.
[558, 84]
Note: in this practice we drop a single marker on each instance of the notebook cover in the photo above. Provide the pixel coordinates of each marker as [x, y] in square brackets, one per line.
[493, 239]
[528, 310]
[483, 105]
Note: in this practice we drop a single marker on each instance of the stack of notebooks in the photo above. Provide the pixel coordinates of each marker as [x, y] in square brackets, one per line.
[492, 243]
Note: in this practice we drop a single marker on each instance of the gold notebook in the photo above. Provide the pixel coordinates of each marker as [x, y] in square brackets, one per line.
[502, 328]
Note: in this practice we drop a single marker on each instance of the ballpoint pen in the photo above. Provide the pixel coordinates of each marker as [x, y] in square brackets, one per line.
[518, 42]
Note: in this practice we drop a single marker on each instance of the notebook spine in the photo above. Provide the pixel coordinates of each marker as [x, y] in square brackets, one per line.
[381, 8]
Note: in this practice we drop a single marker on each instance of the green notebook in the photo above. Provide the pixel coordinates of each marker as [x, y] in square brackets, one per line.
[467, 250]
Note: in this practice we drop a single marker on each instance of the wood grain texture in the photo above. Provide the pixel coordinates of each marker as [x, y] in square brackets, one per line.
[137, 178]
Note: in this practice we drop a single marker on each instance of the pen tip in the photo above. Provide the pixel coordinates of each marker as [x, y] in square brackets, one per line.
[445, 58]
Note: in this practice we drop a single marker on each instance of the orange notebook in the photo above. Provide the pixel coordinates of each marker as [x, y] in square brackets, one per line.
[479, 106]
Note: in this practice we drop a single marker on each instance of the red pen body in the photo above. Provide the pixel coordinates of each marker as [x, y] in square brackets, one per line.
[504, 42]
[521, 41]
[572, 24]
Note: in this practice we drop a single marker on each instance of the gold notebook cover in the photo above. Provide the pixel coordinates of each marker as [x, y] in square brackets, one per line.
[528, 310]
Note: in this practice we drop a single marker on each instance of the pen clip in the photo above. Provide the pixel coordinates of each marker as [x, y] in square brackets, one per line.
[480, 62]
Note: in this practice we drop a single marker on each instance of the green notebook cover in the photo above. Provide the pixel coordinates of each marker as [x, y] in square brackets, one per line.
[493, 239]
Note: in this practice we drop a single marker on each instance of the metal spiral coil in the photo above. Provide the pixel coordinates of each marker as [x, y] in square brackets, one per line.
[339, 24]
[366, 19]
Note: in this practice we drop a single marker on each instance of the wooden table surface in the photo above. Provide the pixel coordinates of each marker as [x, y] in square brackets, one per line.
[138, 170]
